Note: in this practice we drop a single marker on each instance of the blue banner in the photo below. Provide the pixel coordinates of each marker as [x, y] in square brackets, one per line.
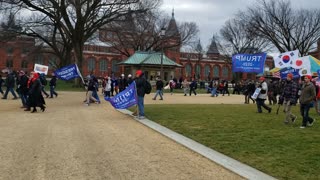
[250, 63]
[68, 72]
[285, 71]
[125, 98]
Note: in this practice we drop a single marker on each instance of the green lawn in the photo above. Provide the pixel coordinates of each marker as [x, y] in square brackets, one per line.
[259, 140]
[66, 86]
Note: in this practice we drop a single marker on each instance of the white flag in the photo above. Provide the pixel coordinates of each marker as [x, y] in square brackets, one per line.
[285, 59]
[301, 62]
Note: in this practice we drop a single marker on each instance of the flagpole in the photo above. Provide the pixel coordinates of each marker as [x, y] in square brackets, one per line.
[80, 74]
[136, 111]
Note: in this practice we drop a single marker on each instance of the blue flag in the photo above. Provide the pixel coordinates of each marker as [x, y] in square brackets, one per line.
[125, 98]
[285, 71]
[250, 63]
[68, 72]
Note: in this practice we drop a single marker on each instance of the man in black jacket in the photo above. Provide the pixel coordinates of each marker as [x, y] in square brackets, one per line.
[10, 81]
[159, 86]
[140, 84]
[52, 84]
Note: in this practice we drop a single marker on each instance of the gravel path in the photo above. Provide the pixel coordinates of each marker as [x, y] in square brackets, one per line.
[73, 141]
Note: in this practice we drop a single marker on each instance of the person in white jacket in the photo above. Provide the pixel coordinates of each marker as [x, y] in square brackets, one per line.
[107, 88]
[263, 95]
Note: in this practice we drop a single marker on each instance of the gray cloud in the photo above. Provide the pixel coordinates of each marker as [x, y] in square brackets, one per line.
[210, 15]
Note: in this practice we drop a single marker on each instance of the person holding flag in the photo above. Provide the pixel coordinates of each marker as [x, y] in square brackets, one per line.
[140, 84]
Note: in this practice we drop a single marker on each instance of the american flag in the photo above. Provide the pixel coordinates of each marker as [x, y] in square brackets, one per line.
[276, 74]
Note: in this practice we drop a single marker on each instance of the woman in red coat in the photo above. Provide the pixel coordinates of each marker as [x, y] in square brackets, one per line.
[35, 97]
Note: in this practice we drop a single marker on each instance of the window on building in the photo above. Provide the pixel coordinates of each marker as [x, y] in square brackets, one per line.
[9, 50]
[103, 65]
[24, 64]
[39, 59]
[225, 72]
[91, 64]
[207, 71]
[53, 62]
[216, 71]
[198, 70]
[9, 63]
[25, 50]
[115, 67]
[188, 70]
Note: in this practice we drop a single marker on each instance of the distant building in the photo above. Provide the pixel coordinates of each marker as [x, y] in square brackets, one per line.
[100, 56]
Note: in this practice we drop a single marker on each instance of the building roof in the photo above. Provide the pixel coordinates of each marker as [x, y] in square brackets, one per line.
[213, 48]
[149, 58]
[172, 29]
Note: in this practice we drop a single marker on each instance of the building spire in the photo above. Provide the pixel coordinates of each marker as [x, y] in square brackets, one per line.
[172, 12]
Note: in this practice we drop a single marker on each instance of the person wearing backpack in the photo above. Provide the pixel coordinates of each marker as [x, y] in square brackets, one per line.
[140, 85]
[44, 82]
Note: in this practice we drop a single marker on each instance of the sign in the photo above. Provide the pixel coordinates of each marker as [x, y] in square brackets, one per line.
[250, 63]
[42, 69]
[256, 93]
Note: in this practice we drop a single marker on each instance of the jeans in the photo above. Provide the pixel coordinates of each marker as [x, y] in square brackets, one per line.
[24, 99]
[260, 103]
[52, 92]
[192, 90]
[158, 92]
[141, 105]
[214, 92]
[95, 95]
[44, 91]
[304, 110]
[12, 92]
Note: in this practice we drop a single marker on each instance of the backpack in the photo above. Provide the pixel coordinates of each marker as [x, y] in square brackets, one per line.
[43, 80]
[147, 87]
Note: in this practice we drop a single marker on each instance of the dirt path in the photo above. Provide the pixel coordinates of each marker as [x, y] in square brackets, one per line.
[73, 141]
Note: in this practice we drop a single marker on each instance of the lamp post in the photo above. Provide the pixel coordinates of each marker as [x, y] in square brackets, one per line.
[162, 34]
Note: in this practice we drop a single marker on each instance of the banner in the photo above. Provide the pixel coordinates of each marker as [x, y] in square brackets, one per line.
[285, 71]
[68, 72]
[42, 69]
[125, 98]
[251, 63]
[285, 59]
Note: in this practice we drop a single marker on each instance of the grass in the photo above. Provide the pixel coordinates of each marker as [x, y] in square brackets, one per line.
[259, 140]
[66, 86]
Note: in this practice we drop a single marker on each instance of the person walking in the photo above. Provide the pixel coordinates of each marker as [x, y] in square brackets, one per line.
[172, 85]
[289, 98]
[122, 82]
[140, 84]
[9, 83]
[263, 95]
[159, 87]
[193, 87]
[53, 84]
[35, 98]
[307, 97]
[185, 85]
[22, 83]
[44, 82]
[1, 82]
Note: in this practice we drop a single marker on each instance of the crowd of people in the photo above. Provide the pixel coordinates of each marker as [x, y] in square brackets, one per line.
[30, 88]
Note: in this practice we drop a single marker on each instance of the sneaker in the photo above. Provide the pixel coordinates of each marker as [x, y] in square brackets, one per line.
[153, 98]
[14, 98]
[141, 117]
[161, 99]
[86, 104]
[310, 124]
[294, 119]
[4, 98]
[302, 127]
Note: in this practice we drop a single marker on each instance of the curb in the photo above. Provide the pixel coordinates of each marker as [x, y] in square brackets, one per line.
[219, 158]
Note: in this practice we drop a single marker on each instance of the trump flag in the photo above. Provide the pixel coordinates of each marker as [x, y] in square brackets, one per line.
[68, 72]
[125, 98]
[285, 59]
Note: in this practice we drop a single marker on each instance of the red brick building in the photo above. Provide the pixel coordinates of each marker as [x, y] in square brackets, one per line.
[23, 53]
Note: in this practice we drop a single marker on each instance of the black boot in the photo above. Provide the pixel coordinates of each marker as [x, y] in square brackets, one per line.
[34, 110]
[43, 108]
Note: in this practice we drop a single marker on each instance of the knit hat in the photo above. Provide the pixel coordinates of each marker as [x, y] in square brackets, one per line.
[262, 78]
[290, 75]
[308, 77]
[129, 76]
[139, 72]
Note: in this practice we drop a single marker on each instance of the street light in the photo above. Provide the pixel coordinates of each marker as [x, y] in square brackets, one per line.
[162, 34]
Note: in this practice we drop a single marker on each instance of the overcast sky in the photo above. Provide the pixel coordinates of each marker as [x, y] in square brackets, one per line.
[210, 15]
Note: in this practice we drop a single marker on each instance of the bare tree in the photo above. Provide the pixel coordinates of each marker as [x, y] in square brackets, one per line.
[287, 29]
[78, 20]
[143, 32]
[237, 37]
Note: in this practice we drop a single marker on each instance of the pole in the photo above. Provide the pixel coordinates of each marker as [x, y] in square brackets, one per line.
[161, 65]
